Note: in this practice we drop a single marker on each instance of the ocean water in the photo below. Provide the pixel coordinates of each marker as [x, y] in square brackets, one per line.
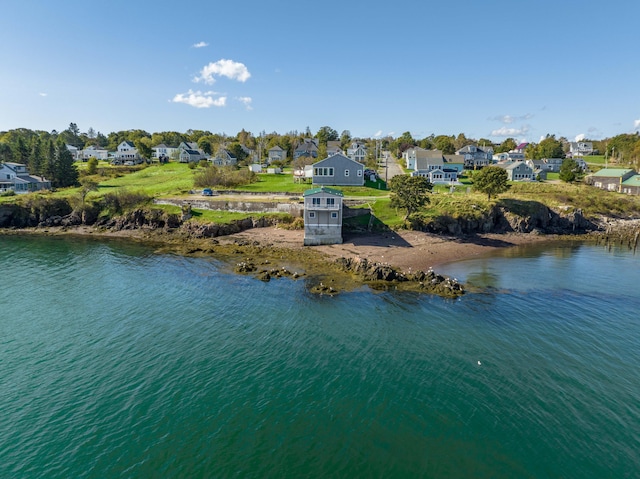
[118, 362]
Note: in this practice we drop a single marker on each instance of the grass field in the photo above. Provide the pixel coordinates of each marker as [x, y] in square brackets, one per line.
[176, 179]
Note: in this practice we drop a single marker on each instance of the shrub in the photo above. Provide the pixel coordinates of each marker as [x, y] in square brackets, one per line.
[214, 176]
[121, 201]
[92, 165]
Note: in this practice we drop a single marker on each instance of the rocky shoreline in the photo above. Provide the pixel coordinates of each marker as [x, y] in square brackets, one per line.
[388, 260]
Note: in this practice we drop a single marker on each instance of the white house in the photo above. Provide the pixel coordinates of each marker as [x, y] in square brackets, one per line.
[15, 177]
[164, 152]
[126, 151]
[73, 150]
[93, 152]
[357, 152]
[580, 148]
[322, 216]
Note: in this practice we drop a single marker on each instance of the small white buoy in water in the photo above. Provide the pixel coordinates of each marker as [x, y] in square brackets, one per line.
[479, 363]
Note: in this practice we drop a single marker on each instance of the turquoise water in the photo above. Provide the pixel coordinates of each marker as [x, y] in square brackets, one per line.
[118, 362]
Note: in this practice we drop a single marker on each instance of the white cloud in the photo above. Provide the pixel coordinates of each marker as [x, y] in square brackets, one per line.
[378, 134]
[246, 101]
[223, 68]
[200, 45]
[42, 94]
[508, 119]
[199, 99]
[580, 137]
[510, 132]
[636, 125]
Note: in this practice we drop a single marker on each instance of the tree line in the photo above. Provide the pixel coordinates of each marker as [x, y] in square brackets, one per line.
[41, 151]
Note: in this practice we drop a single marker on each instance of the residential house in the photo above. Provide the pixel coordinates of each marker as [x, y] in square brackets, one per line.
[439, 176]
[93, 152]
[251, 155]
[476, 157]
[308, 147]
[276, 154]
[73, 150]
[610, 179]
[553, 164]
[515, 155]
[631, 186]
[322, 216]
[539, 167]
[454, 162]
[518, 171]
[411, 155]
[498, 157]
[190, 153]
[334, 148]
[581, 163]
[224, 157]
[127, 151]
[357, 152]
[15, 177]
[580, 148]
[163, 152]
[191, 156]
[338, 170]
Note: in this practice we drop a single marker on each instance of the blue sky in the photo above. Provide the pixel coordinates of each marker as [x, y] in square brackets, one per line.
[487, 69]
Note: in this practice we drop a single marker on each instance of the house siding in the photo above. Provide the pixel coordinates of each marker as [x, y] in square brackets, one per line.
[338, 170]
[322, 217]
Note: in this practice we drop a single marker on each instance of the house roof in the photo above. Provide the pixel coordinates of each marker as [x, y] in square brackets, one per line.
[276, 148]
[324, 189]
[454, 159]
[331, 159]
[612, 172]
[512, 166]
[633, 181]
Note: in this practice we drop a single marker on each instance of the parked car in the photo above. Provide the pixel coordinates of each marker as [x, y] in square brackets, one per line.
[207, 192]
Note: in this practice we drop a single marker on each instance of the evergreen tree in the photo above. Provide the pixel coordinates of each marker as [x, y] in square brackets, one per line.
[36, 159]
[66, 173]
[569, 170]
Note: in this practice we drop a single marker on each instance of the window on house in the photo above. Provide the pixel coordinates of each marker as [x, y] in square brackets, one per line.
[312, 214]
[346, 172]
[331, 201]
[359, 172]
[334, 215]
[316, 201]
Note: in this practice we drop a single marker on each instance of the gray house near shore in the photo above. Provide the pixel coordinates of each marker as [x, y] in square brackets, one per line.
[322, 216]
[338, 170]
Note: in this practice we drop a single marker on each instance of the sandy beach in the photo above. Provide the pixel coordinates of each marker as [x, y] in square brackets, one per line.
[405, 250]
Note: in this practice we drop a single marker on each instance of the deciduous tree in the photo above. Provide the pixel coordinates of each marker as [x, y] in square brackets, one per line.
[491, 180]
[409, 192]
